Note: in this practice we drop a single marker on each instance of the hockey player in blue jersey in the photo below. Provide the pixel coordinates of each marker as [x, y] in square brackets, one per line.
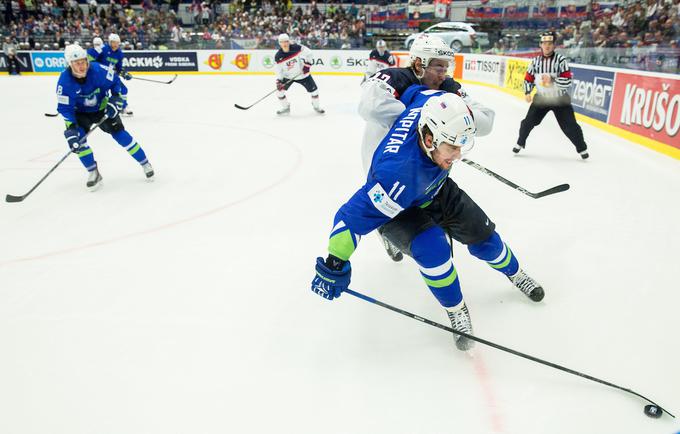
[95, 51]
[86, 93]
[408, 193]
[111, 55]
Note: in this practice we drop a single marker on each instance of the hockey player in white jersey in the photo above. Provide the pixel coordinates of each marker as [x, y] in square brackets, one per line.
[379, 59]
[293, 64]
[380, 103]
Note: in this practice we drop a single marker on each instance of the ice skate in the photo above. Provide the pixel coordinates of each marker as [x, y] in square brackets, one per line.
[392, 250]
[148, 171]
[527, 285]
[94, 180]
[584, 154]
[517, 148]
[460, 321]
[319, 110]
[284, 110]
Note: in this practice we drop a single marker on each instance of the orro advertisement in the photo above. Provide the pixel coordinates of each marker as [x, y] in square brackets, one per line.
[160, 61]
[591, 92]
[485, 69]
[649, 106]
[48, 61]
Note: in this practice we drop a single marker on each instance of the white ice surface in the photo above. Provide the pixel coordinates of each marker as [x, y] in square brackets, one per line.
[183, 305]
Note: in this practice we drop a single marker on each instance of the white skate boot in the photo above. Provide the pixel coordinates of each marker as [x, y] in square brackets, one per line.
[460, 321]
[527, 285]
[148, 171]
[94, 180]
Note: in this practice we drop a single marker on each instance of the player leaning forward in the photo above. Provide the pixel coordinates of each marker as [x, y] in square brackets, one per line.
[293, 63]
[409, 193]
[87, 93]
[381, 98]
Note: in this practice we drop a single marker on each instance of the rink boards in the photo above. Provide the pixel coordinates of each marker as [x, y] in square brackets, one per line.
[640, 106]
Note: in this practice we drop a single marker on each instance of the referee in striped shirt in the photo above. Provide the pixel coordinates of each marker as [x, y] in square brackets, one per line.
[549, 73]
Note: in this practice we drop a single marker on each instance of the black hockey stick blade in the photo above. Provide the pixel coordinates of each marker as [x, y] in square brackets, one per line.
[51, 115]
[240, 107]
[556, 189]
[11, 199]
[552, 190]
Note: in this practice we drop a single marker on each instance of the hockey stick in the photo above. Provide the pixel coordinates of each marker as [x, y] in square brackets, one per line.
[51, 115]
[500, 347]
[155, 81]
[240, 107]
[11, 198]
[553, 190]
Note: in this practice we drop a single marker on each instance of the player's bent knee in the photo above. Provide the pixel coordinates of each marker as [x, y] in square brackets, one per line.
[488, 249]
[430, 247]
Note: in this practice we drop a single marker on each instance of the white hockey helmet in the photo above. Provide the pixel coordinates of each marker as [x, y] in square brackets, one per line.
[97, 42]
[113, 37]
[74, 52]
[449, 120]
[380, 44]
[283, 37]
[427, 48]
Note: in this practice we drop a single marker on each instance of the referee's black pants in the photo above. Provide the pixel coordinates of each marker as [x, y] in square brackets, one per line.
[564, 114]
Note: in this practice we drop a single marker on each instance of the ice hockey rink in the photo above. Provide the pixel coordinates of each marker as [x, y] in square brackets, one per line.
[183, 305]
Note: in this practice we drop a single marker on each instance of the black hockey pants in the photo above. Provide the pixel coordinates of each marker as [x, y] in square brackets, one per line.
[564, 114]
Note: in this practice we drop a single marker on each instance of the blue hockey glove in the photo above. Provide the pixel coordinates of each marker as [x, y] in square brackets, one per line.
[73, 139]
[330, 283]
[126, 75]
[114, 105]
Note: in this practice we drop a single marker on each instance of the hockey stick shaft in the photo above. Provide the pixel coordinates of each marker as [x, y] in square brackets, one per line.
[241, 107]
[155, 81]
[500, 347]
[552, 190]
[51, 115]
[12, 199]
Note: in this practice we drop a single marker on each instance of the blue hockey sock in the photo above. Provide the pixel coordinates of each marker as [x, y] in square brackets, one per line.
[432, 252]
[125, 140]
[87, 157]
[496, 253]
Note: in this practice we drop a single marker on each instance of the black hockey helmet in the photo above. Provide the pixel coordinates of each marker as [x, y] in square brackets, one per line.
[548, 37]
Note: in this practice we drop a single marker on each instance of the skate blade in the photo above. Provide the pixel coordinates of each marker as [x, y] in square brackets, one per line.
[96, 187]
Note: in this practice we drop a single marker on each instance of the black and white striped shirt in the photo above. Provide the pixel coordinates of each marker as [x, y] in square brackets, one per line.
[550, 75]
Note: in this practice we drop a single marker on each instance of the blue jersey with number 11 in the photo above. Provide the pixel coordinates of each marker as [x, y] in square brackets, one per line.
[401, 176]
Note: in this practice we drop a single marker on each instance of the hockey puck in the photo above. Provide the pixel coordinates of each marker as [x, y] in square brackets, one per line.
[653, 411]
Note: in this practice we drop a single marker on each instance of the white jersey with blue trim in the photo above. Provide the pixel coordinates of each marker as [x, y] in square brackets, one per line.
[401, 175]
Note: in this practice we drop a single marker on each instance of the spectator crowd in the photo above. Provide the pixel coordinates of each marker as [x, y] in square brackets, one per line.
[50, 24]
[156, 24]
